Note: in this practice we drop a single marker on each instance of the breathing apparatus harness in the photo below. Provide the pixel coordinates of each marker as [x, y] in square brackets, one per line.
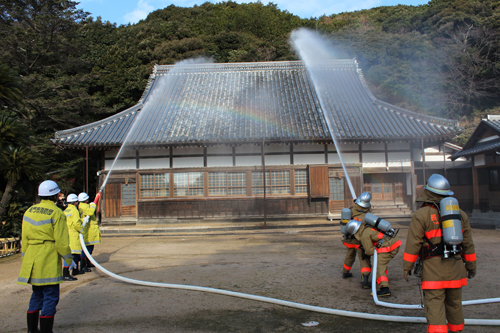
[450, 222]
[382, 226]
[345, 217]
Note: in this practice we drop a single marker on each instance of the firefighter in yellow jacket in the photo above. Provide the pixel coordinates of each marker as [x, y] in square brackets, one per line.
[44, 242]
[387, 247]
[442, 279]
[93, 235]
[358, 211]
[75, 228]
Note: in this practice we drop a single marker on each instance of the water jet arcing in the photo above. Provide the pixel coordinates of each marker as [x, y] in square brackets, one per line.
[150, 115]
[316, 52]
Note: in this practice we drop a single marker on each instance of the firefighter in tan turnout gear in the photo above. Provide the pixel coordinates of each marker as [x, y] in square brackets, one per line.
[361, 206]
[376, 234]
[44, 242]
[440, 238]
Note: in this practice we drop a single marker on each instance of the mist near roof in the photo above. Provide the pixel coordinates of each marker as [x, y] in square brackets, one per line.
[316, 52]
[154, 114]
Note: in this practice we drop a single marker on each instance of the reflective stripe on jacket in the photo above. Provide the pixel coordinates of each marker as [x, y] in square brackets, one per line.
[74, 228]
[44, 241]
[351, 243]
[370, 238]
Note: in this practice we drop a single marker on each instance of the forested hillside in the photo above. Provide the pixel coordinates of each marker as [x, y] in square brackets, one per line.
[60, 67]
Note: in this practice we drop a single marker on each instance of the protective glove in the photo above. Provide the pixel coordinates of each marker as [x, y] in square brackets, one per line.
[471, 273]
[72, 265]
[85, 220]
[405, 274]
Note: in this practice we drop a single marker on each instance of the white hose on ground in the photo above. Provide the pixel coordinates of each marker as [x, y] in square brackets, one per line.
[336, 312]
[490, 322]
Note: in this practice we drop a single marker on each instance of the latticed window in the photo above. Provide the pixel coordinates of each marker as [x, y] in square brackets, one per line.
[277, 182]
[128, 194]
[188, 184]
[300, 181]
[155, 185]
[258, 183]
[227, 183]
[336, 189]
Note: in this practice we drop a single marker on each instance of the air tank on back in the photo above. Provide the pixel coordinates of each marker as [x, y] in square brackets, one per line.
[451, 221]
[380, 224]
[345, 216]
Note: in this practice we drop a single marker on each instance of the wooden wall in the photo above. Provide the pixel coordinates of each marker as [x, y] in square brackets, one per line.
[464, 195]
[318, 182]
[230, 208]
[113, 200]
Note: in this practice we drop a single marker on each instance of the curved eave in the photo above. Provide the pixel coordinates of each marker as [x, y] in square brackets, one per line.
[479, 149]
[253, 142]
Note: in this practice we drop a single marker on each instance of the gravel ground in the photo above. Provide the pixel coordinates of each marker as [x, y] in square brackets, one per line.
[297, 265]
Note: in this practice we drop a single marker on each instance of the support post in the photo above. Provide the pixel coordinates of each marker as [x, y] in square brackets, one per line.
[475, 187]
[423, 161]
[264, 179]
[444, 161]
[87, 169]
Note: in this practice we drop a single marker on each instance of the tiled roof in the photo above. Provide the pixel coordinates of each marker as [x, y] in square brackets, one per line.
[479, 148]
[473, 147]
[250, 102]
[494, 124]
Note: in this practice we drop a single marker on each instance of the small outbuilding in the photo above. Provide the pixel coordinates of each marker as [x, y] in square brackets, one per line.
[483, 149]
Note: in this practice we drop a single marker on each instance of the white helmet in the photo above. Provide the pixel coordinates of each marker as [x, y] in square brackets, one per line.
[72, 198]
[83, 197]
[438, 184]
[352, 226]
[364, 200]
[48, 188]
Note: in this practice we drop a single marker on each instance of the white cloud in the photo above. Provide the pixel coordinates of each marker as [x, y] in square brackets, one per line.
[141, 12]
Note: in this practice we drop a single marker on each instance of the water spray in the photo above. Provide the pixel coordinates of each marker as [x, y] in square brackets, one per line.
[313, 51]
[146, 112]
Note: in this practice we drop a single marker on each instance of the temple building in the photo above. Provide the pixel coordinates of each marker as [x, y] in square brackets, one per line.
[201, 138]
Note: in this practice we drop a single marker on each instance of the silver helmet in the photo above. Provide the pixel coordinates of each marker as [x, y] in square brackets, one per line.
[352, 226]
[438, 184]
[364, 200]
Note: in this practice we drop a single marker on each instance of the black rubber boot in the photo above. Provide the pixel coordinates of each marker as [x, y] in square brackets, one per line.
[33, 322]
[346, 275]
[75, 271]
[67, 276]
[384, 292]
[364, 282]
[89, 264]
[84, 266]
[46, 324]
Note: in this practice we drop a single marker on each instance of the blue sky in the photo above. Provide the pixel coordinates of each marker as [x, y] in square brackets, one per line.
[132, 11]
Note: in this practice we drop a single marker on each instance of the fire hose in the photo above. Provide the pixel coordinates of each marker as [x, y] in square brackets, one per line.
[337, 312]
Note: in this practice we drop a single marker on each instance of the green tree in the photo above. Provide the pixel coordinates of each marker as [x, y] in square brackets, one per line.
[16, 162]
[10, 86]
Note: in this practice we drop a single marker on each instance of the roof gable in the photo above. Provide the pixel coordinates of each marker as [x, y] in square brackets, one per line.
[485, 137]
